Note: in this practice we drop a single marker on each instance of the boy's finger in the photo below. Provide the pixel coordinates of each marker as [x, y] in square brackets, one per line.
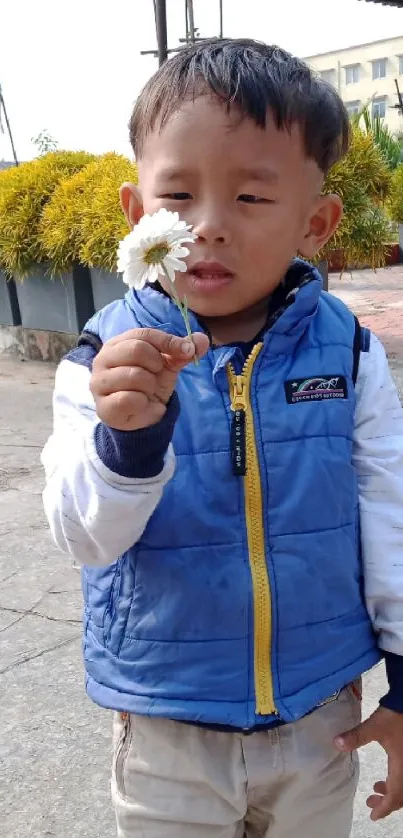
[166, 344]
[198, 345]
[128, 353]
[120, 379]
[119, 410]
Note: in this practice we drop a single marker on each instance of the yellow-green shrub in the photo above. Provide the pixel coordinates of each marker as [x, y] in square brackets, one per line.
[363, 181]
[24, 192]
[395, 201]
[83, 220]
[103, 225]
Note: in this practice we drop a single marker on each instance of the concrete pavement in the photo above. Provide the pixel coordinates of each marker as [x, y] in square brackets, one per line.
[54, 743]
[377, 300]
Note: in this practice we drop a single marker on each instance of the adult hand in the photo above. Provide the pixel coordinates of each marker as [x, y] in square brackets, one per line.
[386, 727]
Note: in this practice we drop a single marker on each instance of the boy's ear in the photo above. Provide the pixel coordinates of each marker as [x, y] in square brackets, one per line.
[131, 203]
[323, 222]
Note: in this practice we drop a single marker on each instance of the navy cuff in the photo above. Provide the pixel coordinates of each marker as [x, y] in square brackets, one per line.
[137, 454]
[394, 670]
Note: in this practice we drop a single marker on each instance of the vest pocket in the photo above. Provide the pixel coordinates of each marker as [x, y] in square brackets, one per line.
[110, 608]
[121, 593]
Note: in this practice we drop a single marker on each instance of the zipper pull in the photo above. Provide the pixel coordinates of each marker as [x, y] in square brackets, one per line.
[238, 429]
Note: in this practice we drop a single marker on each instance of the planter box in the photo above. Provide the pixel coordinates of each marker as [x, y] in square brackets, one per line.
[336, 259]
[106, 287]
[393, 256]
[400, 227]
[323, 268]
[62, 304]
[9, 308]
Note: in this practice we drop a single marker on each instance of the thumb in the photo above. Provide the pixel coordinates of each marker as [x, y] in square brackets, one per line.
[355, 738]
[186, 352]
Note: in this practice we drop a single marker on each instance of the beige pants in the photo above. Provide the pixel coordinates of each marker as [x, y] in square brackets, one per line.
[172, 780]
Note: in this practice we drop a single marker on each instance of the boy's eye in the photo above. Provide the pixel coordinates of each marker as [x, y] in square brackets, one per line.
[178, 196]
[253, 199]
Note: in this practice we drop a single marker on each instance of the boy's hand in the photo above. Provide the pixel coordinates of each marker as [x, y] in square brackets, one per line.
[386, 727]
[134, 375]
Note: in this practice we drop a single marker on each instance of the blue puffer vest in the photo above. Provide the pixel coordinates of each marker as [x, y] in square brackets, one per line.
[243, 600]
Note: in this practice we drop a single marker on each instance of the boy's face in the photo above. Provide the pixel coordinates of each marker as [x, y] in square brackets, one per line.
[252, 197]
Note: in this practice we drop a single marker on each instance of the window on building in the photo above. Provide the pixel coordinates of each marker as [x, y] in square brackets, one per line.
[400, 64]
[352, 73]
[379, 68]
[328, 75]
[379, 107]
[353, 108]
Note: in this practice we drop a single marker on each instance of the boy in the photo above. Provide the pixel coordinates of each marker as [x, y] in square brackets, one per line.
[214, 507]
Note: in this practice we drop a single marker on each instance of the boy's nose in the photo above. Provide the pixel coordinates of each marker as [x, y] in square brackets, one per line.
[212, 229]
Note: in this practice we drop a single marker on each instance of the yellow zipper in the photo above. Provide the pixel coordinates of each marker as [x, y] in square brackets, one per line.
[240, 400]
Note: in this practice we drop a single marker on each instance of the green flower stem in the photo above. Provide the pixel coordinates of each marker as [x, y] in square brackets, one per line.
[182, 306]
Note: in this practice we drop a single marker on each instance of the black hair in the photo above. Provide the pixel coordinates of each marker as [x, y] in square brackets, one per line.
[261, 81]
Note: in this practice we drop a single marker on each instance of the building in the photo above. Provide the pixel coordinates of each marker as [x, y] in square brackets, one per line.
[367, 74]
[398, 3]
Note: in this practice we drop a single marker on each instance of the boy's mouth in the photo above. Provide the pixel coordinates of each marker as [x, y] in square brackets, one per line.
[209, 276]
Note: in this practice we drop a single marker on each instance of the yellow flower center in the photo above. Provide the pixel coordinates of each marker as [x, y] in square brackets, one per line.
[156, 253]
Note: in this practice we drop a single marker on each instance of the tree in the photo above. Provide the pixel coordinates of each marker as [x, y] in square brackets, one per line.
[44, 142]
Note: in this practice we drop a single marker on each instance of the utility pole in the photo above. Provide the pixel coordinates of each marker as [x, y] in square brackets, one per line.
[190, 29]
[221, 19]
[192, 32]
[3, 107]
[399, 96]
[160, 11]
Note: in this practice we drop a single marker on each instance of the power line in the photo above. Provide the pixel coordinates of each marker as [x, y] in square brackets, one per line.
[3, 107]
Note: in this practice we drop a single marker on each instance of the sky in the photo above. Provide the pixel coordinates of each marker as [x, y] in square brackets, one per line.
[74, 66]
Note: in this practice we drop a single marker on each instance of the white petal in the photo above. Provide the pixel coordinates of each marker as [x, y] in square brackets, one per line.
[181, 236]
[169, 269]
[179, 252]
[174, 264]
[153, 273]
[135, 277]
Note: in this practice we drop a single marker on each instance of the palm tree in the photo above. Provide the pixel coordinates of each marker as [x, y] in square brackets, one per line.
[389, 144]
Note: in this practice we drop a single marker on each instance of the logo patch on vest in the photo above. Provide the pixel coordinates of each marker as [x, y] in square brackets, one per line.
[315, 389]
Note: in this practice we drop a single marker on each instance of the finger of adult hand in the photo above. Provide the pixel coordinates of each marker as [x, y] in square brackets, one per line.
[380, 787]
[391, 800]
[120, 379]
[382, 807]
[359, 736]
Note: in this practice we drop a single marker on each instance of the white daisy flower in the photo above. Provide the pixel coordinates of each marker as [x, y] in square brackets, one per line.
[154, 248]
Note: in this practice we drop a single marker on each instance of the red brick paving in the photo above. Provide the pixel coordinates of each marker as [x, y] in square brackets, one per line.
[377, 300]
